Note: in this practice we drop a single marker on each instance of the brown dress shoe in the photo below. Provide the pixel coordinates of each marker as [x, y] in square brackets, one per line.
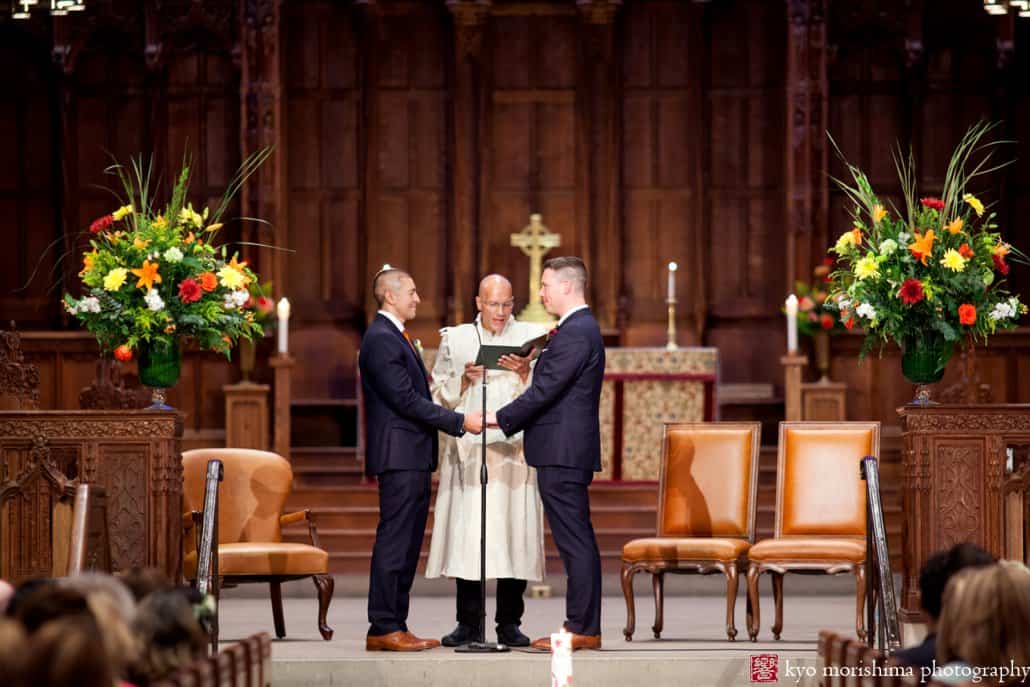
[396, 641]
[578, 642]
[426, 643]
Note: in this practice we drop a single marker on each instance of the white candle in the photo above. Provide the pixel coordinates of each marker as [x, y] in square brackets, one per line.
[672, 281]
[792, 323]
[283, 311]
[561, 659]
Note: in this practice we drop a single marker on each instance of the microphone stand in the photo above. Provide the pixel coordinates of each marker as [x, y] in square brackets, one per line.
[482, 646]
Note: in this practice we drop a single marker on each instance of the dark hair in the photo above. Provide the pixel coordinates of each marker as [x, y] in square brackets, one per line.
[169, 633]
[53, 603]
[26, 589]
[142, 582]
[570, 268]
[68, 651]
[940, 567]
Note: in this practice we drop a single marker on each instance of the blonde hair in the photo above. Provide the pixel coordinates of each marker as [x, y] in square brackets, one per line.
[985, 620]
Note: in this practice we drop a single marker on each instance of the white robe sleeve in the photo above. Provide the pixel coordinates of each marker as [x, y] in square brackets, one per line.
[446, 386]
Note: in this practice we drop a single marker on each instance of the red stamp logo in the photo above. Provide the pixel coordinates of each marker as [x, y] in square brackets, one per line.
[764, 667]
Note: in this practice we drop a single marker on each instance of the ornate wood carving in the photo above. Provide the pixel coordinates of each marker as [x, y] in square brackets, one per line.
[135, 456]
[954, 465]
[108, 390]
[19, 380]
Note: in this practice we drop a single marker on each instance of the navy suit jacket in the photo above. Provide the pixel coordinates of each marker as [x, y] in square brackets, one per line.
[559, 411]
[401, 420]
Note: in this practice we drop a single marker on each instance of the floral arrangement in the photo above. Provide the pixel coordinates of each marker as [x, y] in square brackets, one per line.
[934, 271]
[261, 303]
[816, 313]
[155, 275]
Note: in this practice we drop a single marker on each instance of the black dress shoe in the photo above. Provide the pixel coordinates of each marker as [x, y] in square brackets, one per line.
[510, 635]
[462, 635]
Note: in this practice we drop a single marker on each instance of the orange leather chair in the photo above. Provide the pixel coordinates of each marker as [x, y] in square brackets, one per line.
[706, 511]
[820, 511]
[250, 545]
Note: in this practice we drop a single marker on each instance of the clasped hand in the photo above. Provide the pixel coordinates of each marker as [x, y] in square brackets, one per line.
[474, 422]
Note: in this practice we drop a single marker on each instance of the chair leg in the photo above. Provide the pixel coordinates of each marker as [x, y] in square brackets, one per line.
[658, 582]
[628, 571]
[860, 601]
[277, 609]
[325, 584]
[754, 611]
[777, 585]
[731, 600]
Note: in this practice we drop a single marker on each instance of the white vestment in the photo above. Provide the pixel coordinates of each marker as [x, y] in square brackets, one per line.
[514, 517]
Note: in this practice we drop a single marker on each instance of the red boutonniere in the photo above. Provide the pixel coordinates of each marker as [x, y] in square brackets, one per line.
[550, 334]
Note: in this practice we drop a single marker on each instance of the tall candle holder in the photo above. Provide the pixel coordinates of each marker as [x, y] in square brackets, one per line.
[671, 343]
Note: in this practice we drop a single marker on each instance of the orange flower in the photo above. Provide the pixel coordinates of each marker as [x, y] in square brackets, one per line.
[922, 246]
[87, 262]
[148, 275]
[190, 238]
[140, 243]
[965, 251]
[1002, 249]
[208, 281]
[954, 227]
[123, 353]
[967, 314]
[857, 233]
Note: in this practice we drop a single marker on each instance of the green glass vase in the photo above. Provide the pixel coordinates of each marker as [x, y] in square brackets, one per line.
[923, 359]
[160, 364]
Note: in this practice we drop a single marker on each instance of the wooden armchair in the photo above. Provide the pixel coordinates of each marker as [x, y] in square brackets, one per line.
[706, 511]
[250, 545]
[820, 522]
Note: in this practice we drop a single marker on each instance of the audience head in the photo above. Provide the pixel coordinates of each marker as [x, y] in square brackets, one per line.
[495, 302]
[985, 620]
[65, 652]
[563, 284]
[142, 582]
[13, 650]
[114, 609]
[24, 590]
[169, 634]
[49, 603]
[941, 567]
[6, 592]
[395, 292]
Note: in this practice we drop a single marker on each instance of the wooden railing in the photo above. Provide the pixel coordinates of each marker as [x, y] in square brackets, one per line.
[881, 603]
[244, 664]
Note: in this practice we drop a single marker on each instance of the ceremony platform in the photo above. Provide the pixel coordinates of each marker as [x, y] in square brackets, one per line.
[693, 650]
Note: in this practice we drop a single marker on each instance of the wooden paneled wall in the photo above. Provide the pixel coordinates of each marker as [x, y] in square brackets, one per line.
[424, 132]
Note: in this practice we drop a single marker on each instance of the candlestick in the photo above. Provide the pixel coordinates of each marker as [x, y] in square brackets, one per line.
[283, 311]
[561, 659]
[792, 323]
[672, 281]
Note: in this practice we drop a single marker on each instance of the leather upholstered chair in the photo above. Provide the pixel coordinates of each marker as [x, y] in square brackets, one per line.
[706, 511]
[820, 522]
[250, 521]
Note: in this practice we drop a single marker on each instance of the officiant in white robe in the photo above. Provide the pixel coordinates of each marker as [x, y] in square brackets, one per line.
[515, 520]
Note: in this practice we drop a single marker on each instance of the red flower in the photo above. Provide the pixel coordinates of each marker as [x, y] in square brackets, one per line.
[826, 321]
[102, 224]
[967, 314]
[933, 203]
[1000, 264]
[849, 323]
[965, 251]
[265, 304]
[911, 291]
[123, 353]
[189, 291]
[828, 261]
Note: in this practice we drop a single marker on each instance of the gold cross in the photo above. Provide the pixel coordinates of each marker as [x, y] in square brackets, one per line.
[535, 241]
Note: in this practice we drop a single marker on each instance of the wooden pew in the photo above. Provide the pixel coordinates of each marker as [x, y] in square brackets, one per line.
[247, 663]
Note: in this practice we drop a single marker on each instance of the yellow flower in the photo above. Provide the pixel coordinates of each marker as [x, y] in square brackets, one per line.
[230, 278]
[878, 213]
[159, 222]
[121, 212]
[953, 260]
[866, 267]
[190, 216]
[846, 241]
[148, 275]
[87, 262]
[115, 278]
[140, 243]
[974, 203]
[955, 227]
[215, 227]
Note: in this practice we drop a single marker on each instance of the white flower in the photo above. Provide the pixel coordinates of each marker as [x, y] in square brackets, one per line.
[72, 308]
[1014, 302]
[844, 304]
[153, 300]
[1002, 311]
[888, 246]
[89, 304]
[904, 237]
[240, 297]
[866, 310]
[173, 254]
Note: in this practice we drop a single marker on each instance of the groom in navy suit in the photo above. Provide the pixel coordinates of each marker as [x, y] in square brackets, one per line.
[401, 452]
[559, 414]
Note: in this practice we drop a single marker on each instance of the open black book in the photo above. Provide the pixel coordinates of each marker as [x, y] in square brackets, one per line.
[489, 354]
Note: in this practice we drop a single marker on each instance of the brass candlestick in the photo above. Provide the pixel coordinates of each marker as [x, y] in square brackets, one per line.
[671, 344]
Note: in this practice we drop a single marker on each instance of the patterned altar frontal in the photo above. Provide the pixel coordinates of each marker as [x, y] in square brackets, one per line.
[643, 389]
